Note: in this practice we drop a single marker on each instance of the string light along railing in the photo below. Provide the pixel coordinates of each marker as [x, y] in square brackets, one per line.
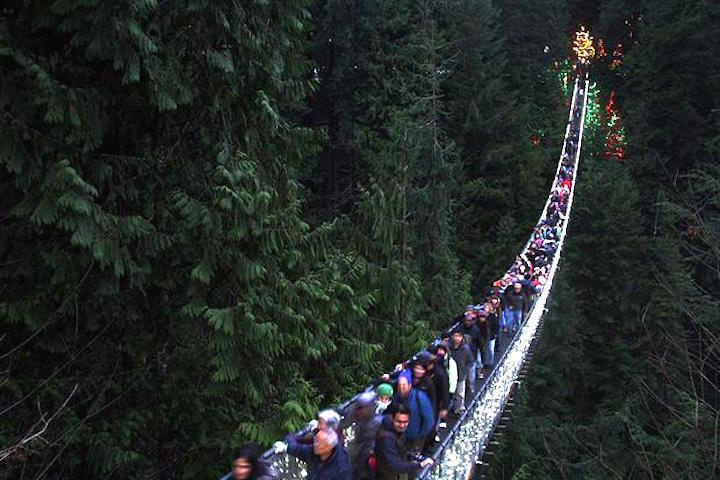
[288, 467]
[455, 457]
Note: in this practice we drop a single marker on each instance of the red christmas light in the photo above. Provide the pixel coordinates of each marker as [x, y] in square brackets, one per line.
[615, 139]
[601, 48]
[617, 57]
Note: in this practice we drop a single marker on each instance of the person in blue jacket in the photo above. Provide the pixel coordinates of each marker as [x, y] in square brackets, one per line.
[325, 457]
[422, 415]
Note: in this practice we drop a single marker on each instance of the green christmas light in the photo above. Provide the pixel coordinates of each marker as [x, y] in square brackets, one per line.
[564, 77]
[593, 115]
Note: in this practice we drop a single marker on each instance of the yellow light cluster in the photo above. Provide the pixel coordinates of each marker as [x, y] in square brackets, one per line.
[583, 46]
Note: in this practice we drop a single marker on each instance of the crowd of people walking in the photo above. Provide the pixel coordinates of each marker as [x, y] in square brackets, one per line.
[397, 424]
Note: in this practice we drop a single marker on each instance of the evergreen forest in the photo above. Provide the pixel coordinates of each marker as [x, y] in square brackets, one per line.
[218, 217]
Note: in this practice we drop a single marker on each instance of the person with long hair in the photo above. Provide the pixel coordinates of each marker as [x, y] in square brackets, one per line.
[247, 465]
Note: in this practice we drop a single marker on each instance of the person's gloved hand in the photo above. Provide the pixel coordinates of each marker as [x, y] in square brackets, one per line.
[280, 447]
[312, 425]
[427, 462]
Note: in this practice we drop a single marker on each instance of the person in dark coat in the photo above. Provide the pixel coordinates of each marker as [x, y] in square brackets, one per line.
[464, 359]
[439, 375]
[469, 328]
[326, 458]
[420, 378]
[471, 332]
[392, 454]
[367, 424]
[490, 326]
[247, 465]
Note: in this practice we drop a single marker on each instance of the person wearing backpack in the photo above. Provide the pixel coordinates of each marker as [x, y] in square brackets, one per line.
[422, 417]
[367, 424]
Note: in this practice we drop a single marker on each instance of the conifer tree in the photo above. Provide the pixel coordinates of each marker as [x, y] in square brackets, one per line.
[492, 117]
[161, 289]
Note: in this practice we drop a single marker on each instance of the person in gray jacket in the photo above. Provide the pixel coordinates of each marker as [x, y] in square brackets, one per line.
[367, 424]
[464, 359]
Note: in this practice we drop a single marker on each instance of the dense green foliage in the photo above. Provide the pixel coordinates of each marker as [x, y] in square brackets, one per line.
[625, 383]
[154, 251]
[504, 177]
[218, 217]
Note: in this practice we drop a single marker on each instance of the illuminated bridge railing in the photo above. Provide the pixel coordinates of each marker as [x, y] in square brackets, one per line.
[455, 457]
[456, 454]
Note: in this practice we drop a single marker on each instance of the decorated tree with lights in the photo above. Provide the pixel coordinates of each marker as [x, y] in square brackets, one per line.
[615, 131]
[583, 48]
[601, 52]
[566, 78]
[617, 57]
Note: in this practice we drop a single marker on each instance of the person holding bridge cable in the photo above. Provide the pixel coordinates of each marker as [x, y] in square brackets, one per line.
[326, 458]
[392, 455]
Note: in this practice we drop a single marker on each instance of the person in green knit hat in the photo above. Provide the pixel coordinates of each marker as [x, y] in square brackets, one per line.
[384, 393]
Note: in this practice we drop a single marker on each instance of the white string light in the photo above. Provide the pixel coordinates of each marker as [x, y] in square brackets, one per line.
[459, 456]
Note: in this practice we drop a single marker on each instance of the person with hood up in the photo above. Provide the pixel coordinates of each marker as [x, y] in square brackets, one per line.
[384, 393]
[392, 454]
[367, 424]
[420, 368]
[421, 410]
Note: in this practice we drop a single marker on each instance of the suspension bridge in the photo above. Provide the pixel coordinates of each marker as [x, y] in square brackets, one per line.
[464, 442]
